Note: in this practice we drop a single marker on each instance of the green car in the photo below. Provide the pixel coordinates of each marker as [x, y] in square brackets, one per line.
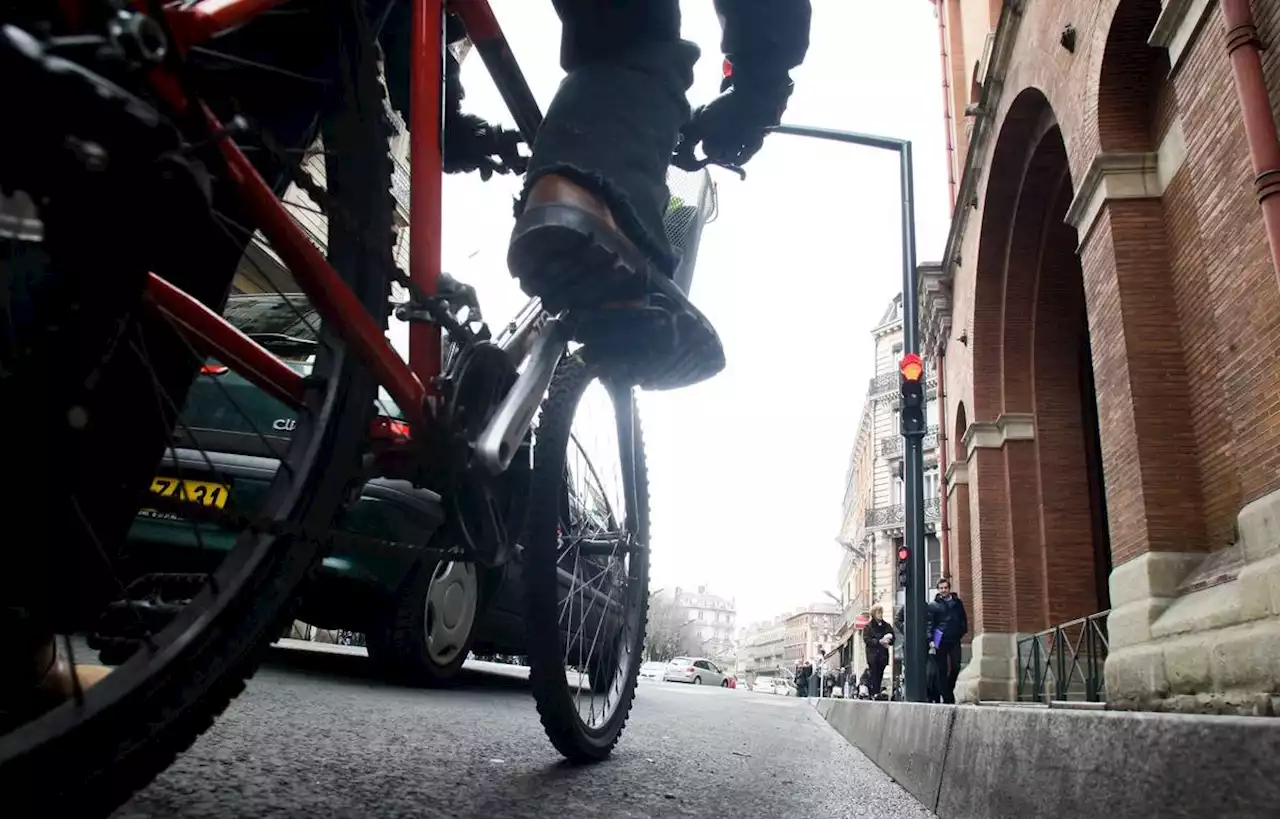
[421, 616]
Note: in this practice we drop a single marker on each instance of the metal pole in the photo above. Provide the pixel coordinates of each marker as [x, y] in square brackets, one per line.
[913, 452]
[914, 653]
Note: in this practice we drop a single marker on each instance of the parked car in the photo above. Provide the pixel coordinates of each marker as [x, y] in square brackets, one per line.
[695, 670]
[652, 671]
[774, 685]
[421, 616]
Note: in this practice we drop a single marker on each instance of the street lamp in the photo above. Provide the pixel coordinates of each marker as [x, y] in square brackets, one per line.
[913, 437]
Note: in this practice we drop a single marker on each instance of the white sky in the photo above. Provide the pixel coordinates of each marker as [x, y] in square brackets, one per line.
[747, 470]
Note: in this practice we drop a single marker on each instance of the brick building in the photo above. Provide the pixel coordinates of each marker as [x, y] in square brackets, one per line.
[1107, 325]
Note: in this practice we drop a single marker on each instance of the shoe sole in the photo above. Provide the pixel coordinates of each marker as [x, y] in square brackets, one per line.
[575, 262]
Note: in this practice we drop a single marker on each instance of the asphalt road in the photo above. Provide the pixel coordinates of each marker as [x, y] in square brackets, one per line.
[315, 737]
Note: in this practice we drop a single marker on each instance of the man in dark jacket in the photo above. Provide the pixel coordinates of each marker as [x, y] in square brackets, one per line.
[589, 233]
[873, 637]
[947, 623]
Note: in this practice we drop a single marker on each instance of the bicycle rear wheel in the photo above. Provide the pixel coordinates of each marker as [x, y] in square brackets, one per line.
[586, 562]
[93, 382]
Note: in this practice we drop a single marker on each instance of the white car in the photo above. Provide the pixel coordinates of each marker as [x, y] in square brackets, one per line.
[696, 670]
[652, 671]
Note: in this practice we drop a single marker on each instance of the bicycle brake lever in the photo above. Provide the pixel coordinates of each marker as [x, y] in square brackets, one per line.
[685, 159]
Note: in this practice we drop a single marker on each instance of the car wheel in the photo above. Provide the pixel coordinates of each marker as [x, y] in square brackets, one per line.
[724, 683]
[697, 681]
[425, 638]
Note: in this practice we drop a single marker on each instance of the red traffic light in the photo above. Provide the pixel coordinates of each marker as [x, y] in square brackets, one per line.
[912, 367]
[903, 554]
[727, 68]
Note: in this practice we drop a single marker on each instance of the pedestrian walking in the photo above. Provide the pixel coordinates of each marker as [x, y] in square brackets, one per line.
[947, 623]
[877, 636]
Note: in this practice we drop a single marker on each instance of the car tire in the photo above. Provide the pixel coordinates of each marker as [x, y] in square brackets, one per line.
[697, 681]
[426, 636]
[724, 683]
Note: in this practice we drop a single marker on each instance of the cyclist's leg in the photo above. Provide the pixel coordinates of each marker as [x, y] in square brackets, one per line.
[607, 139]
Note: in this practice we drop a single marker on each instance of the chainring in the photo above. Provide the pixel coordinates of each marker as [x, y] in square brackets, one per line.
[486, 511]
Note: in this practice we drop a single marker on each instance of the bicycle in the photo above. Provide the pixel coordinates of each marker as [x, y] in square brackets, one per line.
[173, 126]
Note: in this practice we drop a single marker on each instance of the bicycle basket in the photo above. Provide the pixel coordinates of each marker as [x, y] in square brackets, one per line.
[691, 206]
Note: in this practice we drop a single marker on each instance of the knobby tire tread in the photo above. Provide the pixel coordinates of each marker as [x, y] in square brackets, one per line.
[556, 708]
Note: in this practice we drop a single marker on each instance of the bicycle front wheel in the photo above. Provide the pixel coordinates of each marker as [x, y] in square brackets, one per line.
[586, 561]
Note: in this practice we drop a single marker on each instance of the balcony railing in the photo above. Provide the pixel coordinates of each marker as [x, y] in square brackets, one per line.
[891, 447]
[896, 515]
[888, 382]
[1065, 662]
[400, 184]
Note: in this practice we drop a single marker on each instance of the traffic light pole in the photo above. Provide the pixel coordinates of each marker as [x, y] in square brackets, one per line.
[914, 650]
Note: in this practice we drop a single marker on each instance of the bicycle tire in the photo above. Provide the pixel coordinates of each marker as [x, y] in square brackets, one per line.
[85, 759]
[552, 693]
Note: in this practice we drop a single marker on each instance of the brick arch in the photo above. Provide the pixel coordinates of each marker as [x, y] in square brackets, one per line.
[1046, 171]
[958, 514]
[1019, 131]
[1072, 544]
[1131, 78]
[1029, 161]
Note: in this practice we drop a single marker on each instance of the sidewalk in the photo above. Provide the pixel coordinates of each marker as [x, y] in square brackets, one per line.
[979, 762]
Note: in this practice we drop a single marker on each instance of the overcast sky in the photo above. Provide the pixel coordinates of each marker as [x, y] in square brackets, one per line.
[747, 470]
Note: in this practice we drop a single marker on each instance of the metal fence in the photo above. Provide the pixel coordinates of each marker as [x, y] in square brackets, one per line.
[1065, 662]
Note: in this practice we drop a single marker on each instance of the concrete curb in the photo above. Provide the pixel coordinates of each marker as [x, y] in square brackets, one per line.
[970, 762]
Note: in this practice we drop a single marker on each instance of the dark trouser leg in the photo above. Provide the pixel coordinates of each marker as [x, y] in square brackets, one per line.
[949, 660]
[617, 116]
[879, 659]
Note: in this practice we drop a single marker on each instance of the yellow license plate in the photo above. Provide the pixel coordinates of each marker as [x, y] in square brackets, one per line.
[204, 493]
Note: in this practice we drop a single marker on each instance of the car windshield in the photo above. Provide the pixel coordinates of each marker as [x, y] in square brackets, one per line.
[682, 661]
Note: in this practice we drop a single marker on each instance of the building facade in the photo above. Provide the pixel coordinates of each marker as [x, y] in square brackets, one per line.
[761, 648]
[874, 512]
[710, 624]
[262, 271]
[809, 633]
[1107, 318]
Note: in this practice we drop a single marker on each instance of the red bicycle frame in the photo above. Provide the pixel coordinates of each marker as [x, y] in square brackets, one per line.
[411, 384]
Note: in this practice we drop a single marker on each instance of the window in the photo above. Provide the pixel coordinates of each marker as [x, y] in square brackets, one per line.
[931, 483]
[933, 551]
[897, 353]
[701, 614]
[896, 495]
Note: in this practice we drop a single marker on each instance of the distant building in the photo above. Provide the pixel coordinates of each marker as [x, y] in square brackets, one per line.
[810, 632]
[709, 624]
[762, 648]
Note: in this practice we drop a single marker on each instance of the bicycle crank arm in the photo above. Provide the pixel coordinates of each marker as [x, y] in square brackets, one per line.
[499, 441]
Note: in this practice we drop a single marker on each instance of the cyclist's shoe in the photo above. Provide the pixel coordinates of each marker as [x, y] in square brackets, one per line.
[51, 682]
[567, 250]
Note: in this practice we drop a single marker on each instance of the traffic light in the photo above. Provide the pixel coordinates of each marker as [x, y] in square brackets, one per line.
[904, 576]
[911, 372]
